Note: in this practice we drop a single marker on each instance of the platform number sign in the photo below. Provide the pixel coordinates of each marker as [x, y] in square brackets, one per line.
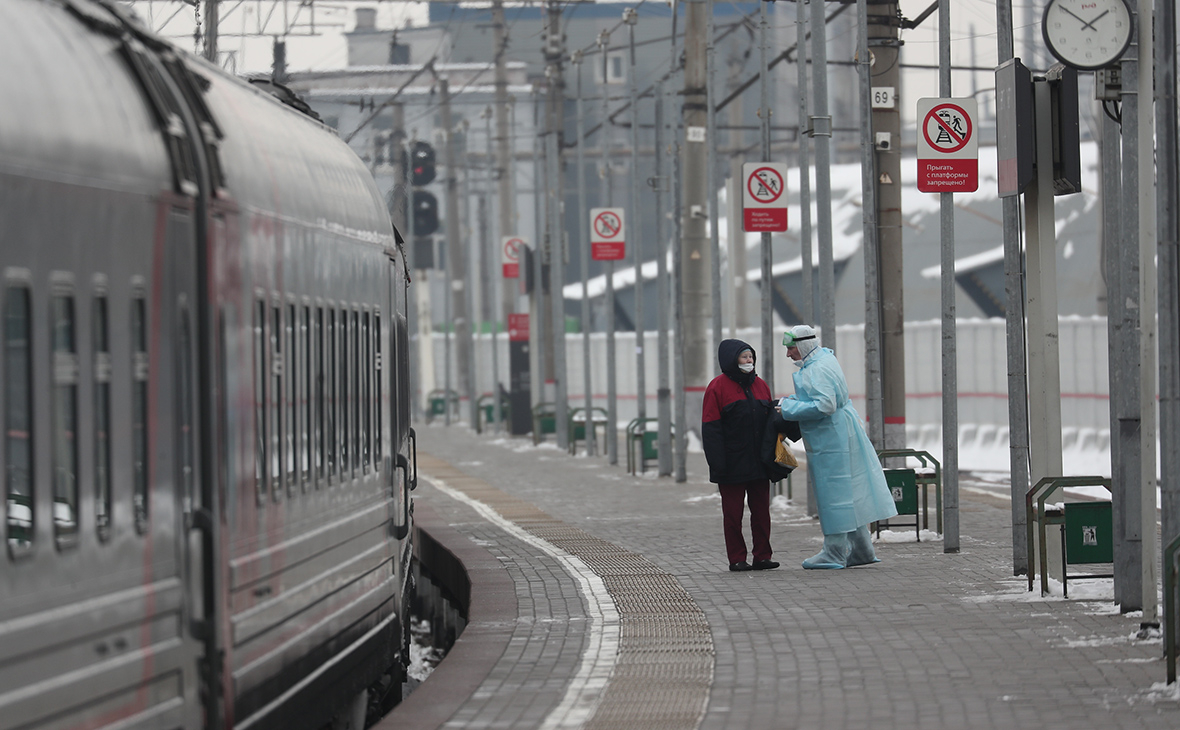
[510, 247]
[764, 200]
[608, 234]
[948, 146]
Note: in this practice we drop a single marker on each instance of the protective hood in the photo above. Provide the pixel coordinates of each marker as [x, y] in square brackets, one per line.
[727, 359]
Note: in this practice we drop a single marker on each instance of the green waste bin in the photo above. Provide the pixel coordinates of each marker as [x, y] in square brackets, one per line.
[651, 449]
[903, 485]
[1089, 532]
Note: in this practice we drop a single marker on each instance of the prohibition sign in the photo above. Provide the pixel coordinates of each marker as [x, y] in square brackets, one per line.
[512, 249]
[765, 184]
[951, 126]
[607, 225]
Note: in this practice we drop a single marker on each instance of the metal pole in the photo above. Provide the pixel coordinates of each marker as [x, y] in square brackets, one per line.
[1014, 334]
[1127, 443]
[504, 163]
[664, 394]
[631, 17]
[537, 314]
[612, 407]
[808, 271]
[491, 247]
[808, 312]
[1147, 308]
[554, 56]
[473, 252]
[821, 124]
[584, 245]
[950, 383]
[766, 367]
[1168, 247]
[711, 172]
[868, 183]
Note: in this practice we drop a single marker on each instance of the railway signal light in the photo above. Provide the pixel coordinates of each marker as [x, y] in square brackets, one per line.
[425, 213]
[421, 164]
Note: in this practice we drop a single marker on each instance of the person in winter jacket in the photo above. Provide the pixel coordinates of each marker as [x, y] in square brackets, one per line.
[850, 488]
[736, 406]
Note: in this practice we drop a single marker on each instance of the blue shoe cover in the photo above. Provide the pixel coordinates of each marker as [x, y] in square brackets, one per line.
[862, 547]
[834, 556]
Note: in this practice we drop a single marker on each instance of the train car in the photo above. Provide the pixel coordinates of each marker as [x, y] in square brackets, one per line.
[207, 454]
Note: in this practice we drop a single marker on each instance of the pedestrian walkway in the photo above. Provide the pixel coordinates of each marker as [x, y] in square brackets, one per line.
[626, 615]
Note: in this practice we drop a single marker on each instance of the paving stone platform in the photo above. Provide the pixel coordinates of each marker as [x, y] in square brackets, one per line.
[603, 600]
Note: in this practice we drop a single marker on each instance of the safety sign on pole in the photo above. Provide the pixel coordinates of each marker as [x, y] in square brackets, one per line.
[764, 200]
[948, 146]
[608, 234]
[510, 248]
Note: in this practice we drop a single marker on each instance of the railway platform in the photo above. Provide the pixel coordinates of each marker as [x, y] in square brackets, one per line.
[603, 600]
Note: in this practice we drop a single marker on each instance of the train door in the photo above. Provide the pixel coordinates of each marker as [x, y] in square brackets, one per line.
[180, 315]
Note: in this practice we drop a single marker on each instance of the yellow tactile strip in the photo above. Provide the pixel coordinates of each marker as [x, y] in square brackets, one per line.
[664, 667]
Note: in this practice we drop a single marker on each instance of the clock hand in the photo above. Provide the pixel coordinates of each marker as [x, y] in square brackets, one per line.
[1090, 25]
[1080, 18]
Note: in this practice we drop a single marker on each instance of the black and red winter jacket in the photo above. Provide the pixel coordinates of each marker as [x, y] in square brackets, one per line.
[734, 419]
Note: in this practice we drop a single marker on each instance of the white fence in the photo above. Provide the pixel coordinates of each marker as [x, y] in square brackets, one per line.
[982, 382]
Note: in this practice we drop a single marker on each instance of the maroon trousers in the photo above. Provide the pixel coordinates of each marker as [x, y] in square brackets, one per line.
[757, 493]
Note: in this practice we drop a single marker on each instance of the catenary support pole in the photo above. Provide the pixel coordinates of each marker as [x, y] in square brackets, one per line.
[871, 247]
[1148, 306]
[1168, 261]
[583, 229]
[821, 125]
[612, 407]
[950, 381]
[690, 140]
[491, 249]
[1014, 334]
[660, 185]
[711, 139]
[805, 229]
[766, 365]
[631, 17]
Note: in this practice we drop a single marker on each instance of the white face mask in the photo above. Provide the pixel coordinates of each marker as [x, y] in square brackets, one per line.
[746, 367]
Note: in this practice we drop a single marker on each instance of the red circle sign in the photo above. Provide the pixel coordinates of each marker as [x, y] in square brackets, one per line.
[765, 184]
[512, 249]
[950, 125]
[607, 225]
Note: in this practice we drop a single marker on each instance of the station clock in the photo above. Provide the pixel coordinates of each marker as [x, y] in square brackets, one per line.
[1087, 34]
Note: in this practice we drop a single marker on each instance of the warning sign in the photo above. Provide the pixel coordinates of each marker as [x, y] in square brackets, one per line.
[510, 247]
[764, 205]
[948, 146]
[607, 234]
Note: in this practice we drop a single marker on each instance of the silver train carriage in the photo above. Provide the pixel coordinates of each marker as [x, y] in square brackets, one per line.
[207, 454]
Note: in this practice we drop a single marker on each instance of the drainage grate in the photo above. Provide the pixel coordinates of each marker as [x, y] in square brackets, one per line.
[664, 667]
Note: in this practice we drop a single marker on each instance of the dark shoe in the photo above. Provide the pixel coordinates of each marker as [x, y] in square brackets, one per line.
[740, 566]
[764, 565]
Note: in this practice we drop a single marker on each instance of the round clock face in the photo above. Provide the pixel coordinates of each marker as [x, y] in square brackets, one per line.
[1087, 34]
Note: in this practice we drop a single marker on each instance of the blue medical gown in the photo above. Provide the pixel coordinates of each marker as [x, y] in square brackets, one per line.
[850, 488]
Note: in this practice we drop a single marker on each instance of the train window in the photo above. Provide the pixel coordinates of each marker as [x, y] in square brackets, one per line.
[185, 410]
[100, 338]
[260, 382]
[64, 420]
[18, 418]
[367, 395]
[317, 424]
[139, 412]
[377, 400]
[276, 397]
[290, 397]
[343, 394]
[305, 404]
[355, 392]
[331, 393]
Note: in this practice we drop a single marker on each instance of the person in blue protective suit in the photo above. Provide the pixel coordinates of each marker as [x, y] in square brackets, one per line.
[850, 488]
[737, 403]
